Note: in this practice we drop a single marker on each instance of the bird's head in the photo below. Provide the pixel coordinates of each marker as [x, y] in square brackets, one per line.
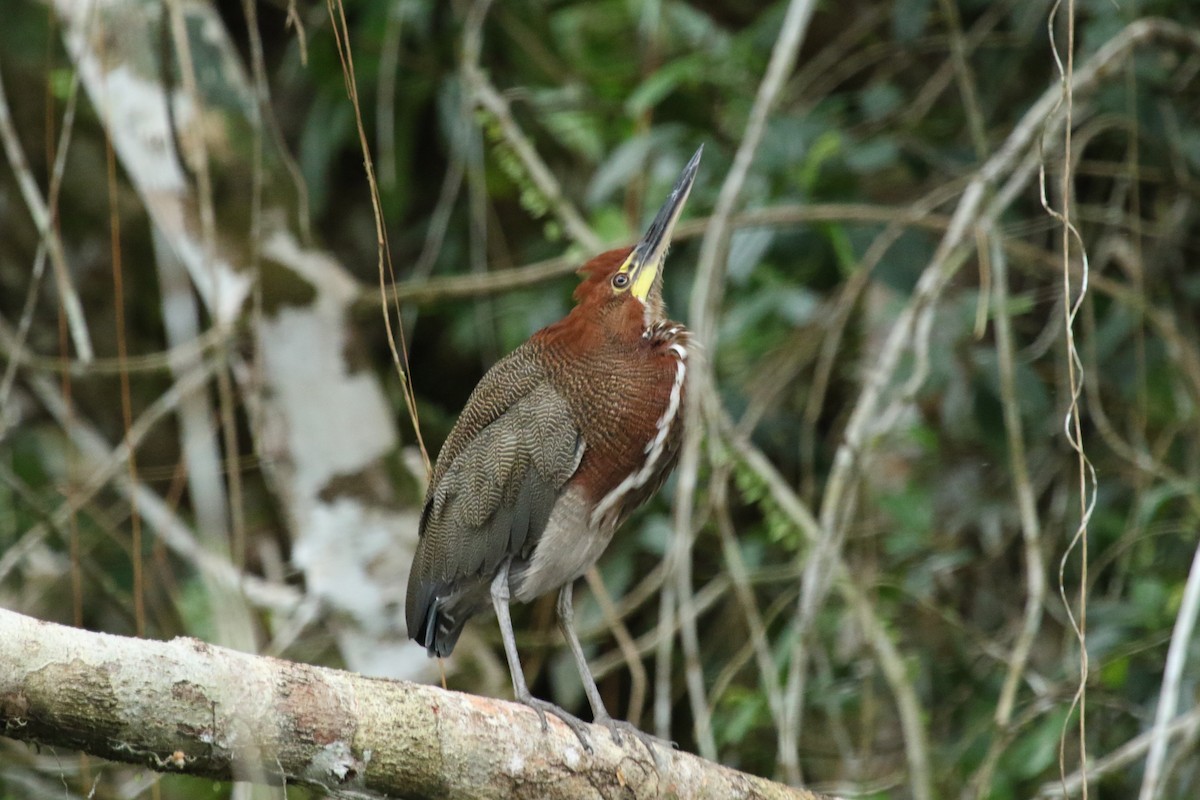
[623, 288]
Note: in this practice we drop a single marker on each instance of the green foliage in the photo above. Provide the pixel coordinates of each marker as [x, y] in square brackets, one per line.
[741, 711]
[876, 122]
[777, 526]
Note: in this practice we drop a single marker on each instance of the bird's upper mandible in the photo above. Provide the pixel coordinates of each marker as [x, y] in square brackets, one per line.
[632, 277]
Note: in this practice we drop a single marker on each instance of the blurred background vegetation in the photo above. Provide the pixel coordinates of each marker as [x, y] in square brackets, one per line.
[873, 614]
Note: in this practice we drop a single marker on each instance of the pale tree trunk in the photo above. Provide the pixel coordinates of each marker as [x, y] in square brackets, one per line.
[323, 427]
[192, 708]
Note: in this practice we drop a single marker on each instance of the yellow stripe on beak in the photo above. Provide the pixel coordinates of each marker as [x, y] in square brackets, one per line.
[646, 260]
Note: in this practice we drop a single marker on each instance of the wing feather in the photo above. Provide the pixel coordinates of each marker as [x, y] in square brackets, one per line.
[497, 479]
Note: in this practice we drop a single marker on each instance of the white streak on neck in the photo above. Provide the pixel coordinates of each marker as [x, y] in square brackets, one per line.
[654, 450]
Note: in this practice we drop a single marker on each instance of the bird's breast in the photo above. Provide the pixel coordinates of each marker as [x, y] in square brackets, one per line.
[566, 549]
[631, 421]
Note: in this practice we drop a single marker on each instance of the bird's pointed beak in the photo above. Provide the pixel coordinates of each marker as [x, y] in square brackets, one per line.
[644, 264]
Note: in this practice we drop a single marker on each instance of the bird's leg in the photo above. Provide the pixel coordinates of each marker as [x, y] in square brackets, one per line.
[566, 623]
[500, 596]
[600, 715]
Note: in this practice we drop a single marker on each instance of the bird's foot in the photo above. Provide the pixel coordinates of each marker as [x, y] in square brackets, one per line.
[577, 726]
[620, 728]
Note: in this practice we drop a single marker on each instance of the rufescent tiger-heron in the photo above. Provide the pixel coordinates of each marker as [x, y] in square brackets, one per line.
[558, 444]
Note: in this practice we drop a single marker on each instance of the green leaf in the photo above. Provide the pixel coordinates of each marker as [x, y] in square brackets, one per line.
[909, 18]
[1037, 750]
[825, 147]
[578, 131]
[1115, 672]
[873, 155]
[663, 81]
[879, 100]
[843, 249]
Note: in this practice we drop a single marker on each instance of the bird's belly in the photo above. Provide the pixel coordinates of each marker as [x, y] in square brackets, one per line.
[565, 550]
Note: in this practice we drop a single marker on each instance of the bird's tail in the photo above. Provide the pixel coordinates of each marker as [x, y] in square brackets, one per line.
[439, 629]
[437, 610]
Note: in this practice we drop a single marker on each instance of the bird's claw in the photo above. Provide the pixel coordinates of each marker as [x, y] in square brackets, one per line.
[617, 727]
[577, 726]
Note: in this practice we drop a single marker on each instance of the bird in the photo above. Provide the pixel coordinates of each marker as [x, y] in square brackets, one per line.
[558, 444]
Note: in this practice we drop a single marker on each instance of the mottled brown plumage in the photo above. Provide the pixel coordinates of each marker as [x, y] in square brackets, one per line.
[557, 445]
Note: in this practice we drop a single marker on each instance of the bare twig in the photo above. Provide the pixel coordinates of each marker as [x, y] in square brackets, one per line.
[710, 272]
[202, 455]
[936, 84]
[423, 291]
[39, 265]
[710, 267]
[105, 464]
[1185, 727]
[888, 655]
[439, 223]
[1168, 697]
[625, 644]
[1072, 424]
[42, 214]
[707, 596]
[191, 352]
[573, 222]
[868, 421]
[815, 582]
[1035, 565]
[385, 93]
[768, 671]
[399, 351]
[473, 159]
[965, 77]
[1002, 164]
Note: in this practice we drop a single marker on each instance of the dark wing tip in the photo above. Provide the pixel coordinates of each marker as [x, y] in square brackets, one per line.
[430, 623]
[440, 631]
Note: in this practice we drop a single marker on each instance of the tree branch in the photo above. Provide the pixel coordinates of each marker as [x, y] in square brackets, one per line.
[188, 707]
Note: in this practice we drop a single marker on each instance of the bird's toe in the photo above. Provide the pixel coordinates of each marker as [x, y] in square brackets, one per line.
[620, 730]
[577, 726]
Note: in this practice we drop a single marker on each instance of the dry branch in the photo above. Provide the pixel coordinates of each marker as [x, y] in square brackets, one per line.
[192, 708]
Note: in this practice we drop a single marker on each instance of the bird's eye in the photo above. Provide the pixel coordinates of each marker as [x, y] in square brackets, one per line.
[620, 280]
